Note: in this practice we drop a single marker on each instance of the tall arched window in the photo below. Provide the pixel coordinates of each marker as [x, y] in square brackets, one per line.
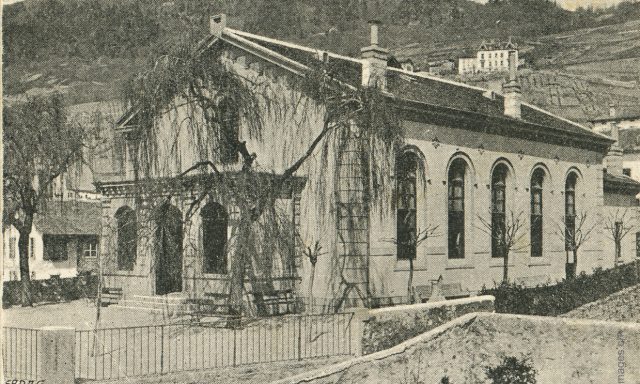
[570, 209]
[229, 116]
[536, 212]
[127, 238]
[498, 209]
[214, 238]
[406, 227]
[456, 209]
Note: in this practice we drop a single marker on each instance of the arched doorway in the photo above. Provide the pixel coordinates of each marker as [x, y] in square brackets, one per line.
[168, 249]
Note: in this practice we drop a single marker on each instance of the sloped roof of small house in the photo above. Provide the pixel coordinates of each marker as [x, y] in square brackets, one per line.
[71, 218]
[424, 92]
[620, 183]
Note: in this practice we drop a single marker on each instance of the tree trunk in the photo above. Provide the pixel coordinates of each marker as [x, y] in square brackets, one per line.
[410, 283]
[505, 269]
[618, 253]
[23, 251]
[313, 273]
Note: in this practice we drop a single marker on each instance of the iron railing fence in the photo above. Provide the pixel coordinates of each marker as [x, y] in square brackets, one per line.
[114, 353]
[20, 353]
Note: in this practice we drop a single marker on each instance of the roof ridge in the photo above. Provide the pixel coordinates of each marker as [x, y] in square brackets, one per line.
[439, 79]
[289, 45]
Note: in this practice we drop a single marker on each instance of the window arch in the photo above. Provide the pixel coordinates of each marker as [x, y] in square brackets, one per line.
[406, 226]
[214, 238]
[456, 208]
[570, 209]
[498, 209]
[127, 238]
[537, 181]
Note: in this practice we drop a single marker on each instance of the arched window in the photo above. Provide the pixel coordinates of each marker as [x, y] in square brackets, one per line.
[498, 210]
[536, 212]
[214, 238]
[456, 209]
[406, 170]
[570, 210]
[127, 238]
[229, 117]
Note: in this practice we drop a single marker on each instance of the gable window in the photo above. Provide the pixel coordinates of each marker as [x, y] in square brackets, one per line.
[456, 209]
[90, 249]
[536, 212]
[126, 238]
[570, 210]
[626, 171]
[214, 238]
[638, 245]
[12, 247]
[406, 228]
[498, 210]
[55, 248]
[229, 118]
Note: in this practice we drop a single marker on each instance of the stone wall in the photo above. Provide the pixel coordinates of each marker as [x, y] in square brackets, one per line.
[561, 351]
[386, 327]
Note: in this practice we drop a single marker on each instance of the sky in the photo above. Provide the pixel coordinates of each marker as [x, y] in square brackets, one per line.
[567, 4]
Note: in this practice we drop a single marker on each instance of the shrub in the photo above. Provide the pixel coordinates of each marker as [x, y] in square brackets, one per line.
[553, 300]
[52, 290]
[512, 371]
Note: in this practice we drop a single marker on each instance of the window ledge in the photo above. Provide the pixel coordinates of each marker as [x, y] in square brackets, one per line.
[459, 266]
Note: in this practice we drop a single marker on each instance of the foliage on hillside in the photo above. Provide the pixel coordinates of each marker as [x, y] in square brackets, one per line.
[87, 49]
[554, 300]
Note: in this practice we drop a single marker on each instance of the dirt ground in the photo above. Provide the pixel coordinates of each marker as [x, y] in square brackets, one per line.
[255, 373]
[79, 314]
[621, 306]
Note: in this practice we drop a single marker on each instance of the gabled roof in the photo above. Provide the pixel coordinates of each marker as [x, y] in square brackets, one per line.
[69, 218]
[428, 91]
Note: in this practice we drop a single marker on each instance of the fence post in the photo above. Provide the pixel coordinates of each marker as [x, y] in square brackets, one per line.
[299, 337]
[234, 346]
[356, 330]
[56, 355]
[161, 349]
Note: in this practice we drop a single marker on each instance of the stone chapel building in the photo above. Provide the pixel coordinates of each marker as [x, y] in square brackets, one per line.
[470, 155]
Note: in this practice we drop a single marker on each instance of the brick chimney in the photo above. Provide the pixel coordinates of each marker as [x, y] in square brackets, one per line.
[374, 57]
[613, 160]
[217, 24]
[511, 90]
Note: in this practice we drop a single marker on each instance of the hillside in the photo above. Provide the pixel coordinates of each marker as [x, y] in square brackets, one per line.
[621, 306]
[88, 49]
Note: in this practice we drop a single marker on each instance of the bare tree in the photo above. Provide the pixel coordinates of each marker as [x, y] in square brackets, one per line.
[312, 254]
[507, 234]
[618, 228]
[40, 145]
[575, 231]
[414, 241]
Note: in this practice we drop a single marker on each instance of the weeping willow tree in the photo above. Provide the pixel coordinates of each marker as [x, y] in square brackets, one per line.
[204, 94]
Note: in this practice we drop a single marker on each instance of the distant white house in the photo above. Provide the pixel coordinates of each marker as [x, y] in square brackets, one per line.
[64, 241]
[490, 57]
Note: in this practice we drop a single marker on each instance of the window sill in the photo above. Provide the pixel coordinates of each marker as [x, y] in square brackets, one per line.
[459, 266]
[501, 265]
[539, 261]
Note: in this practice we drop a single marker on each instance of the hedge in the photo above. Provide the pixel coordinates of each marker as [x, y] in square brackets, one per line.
[553, 300]
[52, 290]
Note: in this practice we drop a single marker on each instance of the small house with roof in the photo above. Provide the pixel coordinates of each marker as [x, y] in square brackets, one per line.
[469, 156]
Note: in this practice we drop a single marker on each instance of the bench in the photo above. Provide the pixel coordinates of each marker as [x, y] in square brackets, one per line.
[422, 293]
[275, 299]
[110, 296]
[210, 305]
